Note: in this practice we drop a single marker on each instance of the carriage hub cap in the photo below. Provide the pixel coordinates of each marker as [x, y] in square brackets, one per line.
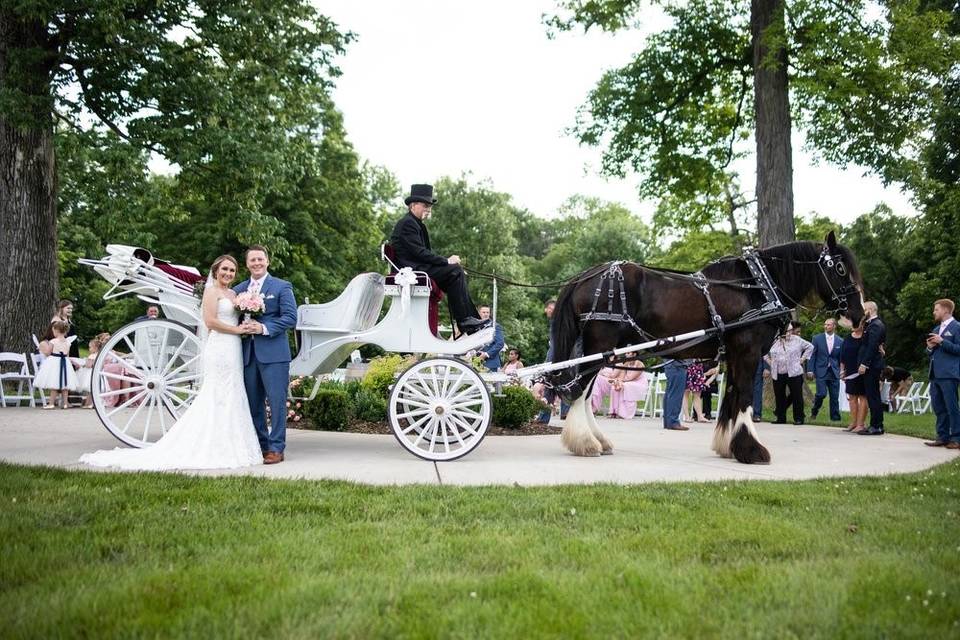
[439, 410]
[154, 383]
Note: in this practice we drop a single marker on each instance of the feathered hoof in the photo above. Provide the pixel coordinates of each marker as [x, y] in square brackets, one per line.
[748, 450]
[585, 445]
[606, 447]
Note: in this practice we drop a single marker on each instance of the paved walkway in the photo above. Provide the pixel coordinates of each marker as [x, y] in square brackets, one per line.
[644, 453]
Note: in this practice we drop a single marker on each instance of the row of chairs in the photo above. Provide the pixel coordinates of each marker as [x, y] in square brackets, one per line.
[17, 371]
[652, 404]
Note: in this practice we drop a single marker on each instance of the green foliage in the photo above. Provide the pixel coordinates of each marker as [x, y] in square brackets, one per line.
[516, 407]
[369, 406]
[865, 85]
[329, 410]
[382, 372]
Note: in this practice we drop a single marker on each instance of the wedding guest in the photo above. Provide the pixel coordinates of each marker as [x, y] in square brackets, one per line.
[786, 359]
[870, 364]
[85, 374]
[853, 381]
[712, 389]
[153, 312]
[900, 381]
[490, 353]
[692, 402]
[943, 345]
[626, 387]
[57, 373]
[65, 314]
[513, 361]
[676, 373]
[824, 367]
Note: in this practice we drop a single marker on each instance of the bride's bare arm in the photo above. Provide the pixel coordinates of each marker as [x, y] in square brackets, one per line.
[209, 307]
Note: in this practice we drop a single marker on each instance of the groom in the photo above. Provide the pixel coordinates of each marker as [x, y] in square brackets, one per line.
[266, 354]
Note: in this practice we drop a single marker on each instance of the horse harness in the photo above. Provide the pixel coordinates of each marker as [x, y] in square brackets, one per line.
[612, 282]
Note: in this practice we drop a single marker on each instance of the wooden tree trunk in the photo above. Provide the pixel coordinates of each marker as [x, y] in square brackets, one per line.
[28, 187]
[775, 223]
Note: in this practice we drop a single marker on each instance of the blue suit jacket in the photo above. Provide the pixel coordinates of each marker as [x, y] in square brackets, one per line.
[945, 358]
[821, 362]
[493, 349]
[874, 335]
[280, 316]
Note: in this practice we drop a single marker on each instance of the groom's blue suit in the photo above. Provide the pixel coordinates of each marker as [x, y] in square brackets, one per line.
[266, 362]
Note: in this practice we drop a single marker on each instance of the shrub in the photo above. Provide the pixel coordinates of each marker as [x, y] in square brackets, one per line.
[515, 408]
[369, 407]
[382, 372]
[329, 410]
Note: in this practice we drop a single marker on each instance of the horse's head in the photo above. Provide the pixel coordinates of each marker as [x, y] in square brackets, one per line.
[840, 284]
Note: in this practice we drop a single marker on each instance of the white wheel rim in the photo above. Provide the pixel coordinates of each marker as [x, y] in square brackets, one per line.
[143, 392]
[439, 409]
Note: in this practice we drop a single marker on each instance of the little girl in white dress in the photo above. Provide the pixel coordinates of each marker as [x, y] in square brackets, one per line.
[86, 373]
[57, 373]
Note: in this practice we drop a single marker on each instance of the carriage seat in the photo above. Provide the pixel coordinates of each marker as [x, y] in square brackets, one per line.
[436, 293]
[354, 310]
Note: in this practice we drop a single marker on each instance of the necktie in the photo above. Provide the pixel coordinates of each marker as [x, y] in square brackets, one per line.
[255, 287]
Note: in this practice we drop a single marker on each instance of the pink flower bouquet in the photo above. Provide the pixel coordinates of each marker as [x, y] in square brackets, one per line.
[250, 305]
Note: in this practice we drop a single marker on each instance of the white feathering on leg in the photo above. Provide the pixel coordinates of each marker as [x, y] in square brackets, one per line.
[722, 436]
[606, 445]
[576, 435]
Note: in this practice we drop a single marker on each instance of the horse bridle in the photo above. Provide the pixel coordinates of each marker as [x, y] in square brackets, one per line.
[830, 262]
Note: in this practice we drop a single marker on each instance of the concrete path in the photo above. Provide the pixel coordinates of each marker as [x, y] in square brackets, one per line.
[644, 453]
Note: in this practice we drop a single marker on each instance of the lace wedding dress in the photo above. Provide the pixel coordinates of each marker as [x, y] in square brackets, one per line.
[216, 431]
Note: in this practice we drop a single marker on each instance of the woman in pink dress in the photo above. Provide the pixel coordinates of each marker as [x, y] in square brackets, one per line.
[626, 387]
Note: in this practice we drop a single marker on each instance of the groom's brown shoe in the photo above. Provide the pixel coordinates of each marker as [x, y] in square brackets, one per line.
[272, 457]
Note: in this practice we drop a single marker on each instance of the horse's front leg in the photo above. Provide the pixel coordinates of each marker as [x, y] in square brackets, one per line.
[581, 433]
[736, 434]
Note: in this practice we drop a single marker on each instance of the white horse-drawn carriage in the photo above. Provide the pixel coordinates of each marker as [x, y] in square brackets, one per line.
[147, 374]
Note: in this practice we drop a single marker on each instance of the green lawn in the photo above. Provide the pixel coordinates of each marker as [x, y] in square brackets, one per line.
[101, 555]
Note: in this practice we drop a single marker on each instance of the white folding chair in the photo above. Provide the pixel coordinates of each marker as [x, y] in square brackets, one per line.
[646, 409]
[923, 399]
[14, 369]
[911, 399]
[41, 397]
[659, 391]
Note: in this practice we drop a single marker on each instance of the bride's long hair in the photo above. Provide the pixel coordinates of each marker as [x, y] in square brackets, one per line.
[216, 266]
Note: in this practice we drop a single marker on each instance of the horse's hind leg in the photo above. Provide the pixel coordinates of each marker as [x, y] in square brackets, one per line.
[579, 435]
[606, 445]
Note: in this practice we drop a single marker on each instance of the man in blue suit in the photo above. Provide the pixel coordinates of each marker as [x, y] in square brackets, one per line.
[943, 345]
[266, 354]
[490, 354]
[676, 372]
[824, 365]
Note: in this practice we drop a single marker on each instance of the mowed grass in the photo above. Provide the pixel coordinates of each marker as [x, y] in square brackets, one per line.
[104, 555]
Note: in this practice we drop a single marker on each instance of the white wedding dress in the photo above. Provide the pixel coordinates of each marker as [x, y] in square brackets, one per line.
[216, 431]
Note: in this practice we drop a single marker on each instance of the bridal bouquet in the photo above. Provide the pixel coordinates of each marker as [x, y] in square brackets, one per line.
[250, 305]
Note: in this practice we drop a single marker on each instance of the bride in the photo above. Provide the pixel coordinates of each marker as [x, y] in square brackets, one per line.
[216, 431]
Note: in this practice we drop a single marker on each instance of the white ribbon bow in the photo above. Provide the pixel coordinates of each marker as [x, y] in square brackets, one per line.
[405, 278]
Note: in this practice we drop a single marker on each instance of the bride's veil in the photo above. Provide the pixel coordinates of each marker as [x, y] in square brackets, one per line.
[202, 331]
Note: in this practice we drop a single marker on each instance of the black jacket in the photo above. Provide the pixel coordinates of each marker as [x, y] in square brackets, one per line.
[874, 335]
[411, 243]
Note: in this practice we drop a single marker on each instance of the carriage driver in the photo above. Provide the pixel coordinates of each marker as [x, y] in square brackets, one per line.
[411, 243]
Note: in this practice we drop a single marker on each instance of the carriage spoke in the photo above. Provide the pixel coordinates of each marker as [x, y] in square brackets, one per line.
[187, 378]
[170, 398]
[433, 435]
[136, 355]
[409, 414]
[163, 422]
[173, 358]
[135, 398]
[446, 436]
[416, 424]
[146, 426]
[117, 376]
[456, 385]
[120, 392]
[183, 365]
[133, 417]
[466, 427]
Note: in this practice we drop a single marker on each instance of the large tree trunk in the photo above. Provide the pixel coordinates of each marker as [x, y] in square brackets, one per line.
[772, 103]
[28, 186]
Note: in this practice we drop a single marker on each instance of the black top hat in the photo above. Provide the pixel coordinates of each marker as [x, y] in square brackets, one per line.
[421, 193]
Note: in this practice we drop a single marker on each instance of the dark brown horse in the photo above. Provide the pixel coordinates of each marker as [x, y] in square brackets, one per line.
[663, 303]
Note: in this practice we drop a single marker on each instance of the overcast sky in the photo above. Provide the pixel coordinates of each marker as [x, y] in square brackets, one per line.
[433, 88]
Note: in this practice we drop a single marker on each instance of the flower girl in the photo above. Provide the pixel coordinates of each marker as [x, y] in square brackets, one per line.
[86, 373]
[57, 372]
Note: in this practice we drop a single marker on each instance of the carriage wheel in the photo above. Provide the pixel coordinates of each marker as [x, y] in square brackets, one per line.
[144, 378]
[439, 409]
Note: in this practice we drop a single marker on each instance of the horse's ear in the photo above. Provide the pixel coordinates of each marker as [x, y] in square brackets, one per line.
[831, 241]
